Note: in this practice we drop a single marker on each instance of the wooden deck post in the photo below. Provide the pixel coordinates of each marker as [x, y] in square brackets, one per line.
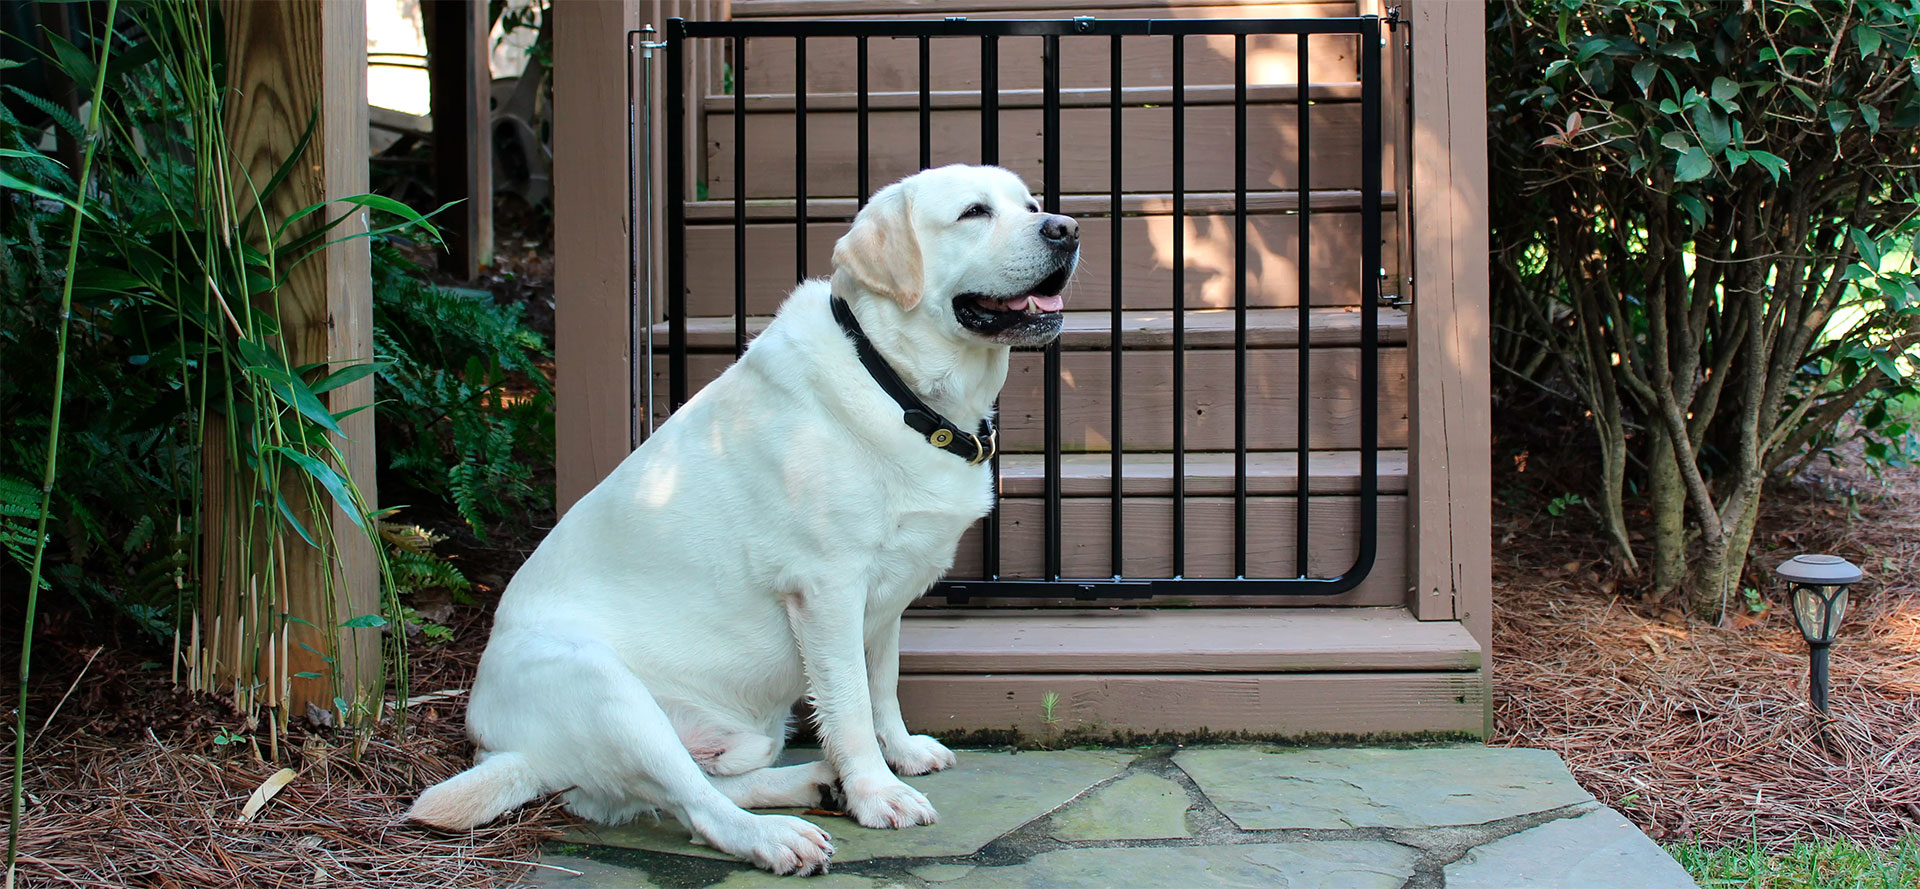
[1451, 444]
[593, 231]
[462, 86]
[283, 60]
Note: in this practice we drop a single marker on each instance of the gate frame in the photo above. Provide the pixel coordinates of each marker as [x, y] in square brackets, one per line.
[1443, 200]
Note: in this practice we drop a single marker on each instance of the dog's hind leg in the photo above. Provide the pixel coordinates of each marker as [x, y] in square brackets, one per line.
[616, 748]
[808, 784]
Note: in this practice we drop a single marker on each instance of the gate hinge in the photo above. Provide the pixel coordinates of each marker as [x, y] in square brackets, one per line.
[648, 44]
[1393, 16]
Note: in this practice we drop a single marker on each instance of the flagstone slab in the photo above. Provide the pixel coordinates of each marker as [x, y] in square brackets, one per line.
[982, 797]
[1598, 850]
[1268, 788]
[1330, 865]
[1141, 806]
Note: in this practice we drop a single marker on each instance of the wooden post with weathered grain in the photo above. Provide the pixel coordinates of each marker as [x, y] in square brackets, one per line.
[284, 61]
[461, 91]
[593, 228]
[1451, 446]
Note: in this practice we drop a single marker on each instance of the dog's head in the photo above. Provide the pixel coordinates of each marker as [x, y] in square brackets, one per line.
[970, 245]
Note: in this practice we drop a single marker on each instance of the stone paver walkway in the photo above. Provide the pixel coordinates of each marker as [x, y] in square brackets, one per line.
[1462, 817]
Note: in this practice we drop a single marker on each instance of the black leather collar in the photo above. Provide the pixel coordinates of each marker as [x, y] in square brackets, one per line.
[974, 447]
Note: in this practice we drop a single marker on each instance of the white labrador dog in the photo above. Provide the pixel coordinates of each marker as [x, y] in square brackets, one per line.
[763, 543]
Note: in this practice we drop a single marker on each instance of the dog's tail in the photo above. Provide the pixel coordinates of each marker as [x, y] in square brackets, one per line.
[478, 795]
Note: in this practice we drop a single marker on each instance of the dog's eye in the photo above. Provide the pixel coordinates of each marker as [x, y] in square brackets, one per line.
[975, 211]
[1033, 208]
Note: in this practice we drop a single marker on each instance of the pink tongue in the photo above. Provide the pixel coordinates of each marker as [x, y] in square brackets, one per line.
[1015, 304]
[1050, 303]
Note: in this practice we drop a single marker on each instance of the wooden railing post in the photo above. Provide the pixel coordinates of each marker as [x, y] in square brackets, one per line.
[283, 61]
[593, 228]
[1451, 486]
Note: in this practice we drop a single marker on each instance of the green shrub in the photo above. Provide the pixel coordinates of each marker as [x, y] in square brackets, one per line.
[1704, 236]
[465, 410]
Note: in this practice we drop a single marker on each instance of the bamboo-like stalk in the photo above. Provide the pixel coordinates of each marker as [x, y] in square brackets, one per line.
[53, 448]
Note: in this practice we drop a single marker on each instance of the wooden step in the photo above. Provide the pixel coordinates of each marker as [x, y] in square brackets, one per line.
[1003, 708]
[1272, 155]
[1116, 673]
[1147, 398]
[1230, 640]
[1198, 203]
[1148, 548]
[1205, 329]
[894, 65]
[761, 102]
[1146, 262]
[1208, 473]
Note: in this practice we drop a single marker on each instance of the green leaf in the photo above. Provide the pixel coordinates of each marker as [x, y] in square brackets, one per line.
[1680, 49]
[34, 155]
[1871, 115]
[1555, 67]
[286, 512]
[1694, 165]
[1667, 106]
[1643, 75]
[1735, 157]
[1887, 365]
[1805, 99]
[1676, 140]
[1838, 116]
[8, 180]
[1715, 134]
[1774, 164]
[1696, 209]
[343, 376]
[1723, 92]
[324, 474]
[1867, 38]
[287, 166]
[366, 622]
[307, 675]
[1869, 250]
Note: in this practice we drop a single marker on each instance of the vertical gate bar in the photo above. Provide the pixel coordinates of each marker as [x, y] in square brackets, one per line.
[926, 104]
[989, 99]
[800, 157]
[1370, 158]
[739, 197]
[1179, 306]
[1050, 176]
[1240, 305]
[1114, 307]
[861, 175]
[990, 154]
[676, 215]
[1302, 444]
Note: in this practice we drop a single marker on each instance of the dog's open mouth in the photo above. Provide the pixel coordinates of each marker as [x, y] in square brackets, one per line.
[1021, 319]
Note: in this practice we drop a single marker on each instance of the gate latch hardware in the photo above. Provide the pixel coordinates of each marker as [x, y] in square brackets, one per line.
[1083, 23]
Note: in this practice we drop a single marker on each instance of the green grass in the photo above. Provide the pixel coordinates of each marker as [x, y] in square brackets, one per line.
[1825, 864]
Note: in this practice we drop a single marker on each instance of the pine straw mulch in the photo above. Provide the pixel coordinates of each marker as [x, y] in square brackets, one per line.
[127, 787]
[1701, 732]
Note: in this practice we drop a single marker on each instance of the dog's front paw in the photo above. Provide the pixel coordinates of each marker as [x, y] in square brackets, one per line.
[917, 755]
[887, 803]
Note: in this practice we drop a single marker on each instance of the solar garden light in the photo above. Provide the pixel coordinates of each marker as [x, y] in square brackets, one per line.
[1819, 604]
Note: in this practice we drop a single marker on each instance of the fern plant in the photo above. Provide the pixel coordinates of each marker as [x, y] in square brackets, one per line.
[466, 409]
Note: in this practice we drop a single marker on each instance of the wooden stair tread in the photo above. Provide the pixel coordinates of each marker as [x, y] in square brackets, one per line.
[1089, 331]
[1070, 97]
[832, 209]
[1209, 473]
[1225, 640]
[806, 9]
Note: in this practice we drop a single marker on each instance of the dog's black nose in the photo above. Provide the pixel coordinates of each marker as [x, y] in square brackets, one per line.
[1060, 231]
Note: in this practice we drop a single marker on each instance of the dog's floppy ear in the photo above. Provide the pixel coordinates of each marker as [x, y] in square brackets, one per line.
[881, 250]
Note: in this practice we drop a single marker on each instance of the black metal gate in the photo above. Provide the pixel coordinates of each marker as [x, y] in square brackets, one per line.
[1171, 36]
